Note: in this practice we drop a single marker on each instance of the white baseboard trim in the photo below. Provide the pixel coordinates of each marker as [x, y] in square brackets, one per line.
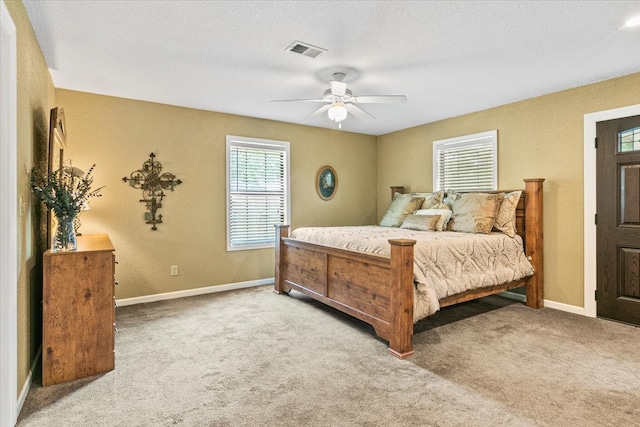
[565, 307]
[192, 292]
[547, 303]
[27, 383]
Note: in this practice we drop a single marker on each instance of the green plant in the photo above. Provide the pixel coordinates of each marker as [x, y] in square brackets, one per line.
[63, 191]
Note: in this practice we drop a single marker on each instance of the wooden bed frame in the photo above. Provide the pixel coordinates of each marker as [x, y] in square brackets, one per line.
[379, 290]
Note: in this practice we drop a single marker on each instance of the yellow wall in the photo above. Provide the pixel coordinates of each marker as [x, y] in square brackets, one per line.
[35, 93]
[537, 138]
[119, 134]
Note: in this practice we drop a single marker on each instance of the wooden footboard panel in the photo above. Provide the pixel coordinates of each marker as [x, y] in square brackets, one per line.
[334, 277]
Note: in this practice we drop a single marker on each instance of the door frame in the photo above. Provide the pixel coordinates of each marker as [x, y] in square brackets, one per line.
[590, 240]
[8, 221]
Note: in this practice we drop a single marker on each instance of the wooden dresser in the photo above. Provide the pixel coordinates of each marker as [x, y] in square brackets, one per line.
[78, 313]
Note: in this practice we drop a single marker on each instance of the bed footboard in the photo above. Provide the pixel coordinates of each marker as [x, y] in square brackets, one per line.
[374, 289]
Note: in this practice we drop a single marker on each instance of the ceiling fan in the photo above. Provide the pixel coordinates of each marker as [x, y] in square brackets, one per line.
[340, 101]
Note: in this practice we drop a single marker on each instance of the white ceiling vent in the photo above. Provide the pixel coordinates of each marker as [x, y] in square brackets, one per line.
[305, 49]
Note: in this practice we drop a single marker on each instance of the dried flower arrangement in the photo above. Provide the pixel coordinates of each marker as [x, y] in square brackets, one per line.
[65, 192]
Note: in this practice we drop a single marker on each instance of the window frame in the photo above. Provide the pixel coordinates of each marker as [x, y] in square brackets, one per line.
[634, 134]
[267, 144]
[489, 137]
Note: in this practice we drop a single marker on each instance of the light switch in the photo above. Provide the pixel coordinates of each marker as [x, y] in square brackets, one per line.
[23, 206]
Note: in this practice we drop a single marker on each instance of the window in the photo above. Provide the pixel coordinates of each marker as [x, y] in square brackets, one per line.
[257, 191]
[467, 162]
[629, 140]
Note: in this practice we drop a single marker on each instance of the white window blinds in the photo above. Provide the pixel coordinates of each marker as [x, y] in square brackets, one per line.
[466, 163]
[257, 191]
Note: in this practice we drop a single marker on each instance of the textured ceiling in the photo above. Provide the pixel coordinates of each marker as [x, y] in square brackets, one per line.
[448, 57]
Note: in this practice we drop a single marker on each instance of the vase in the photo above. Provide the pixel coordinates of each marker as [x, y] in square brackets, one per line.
[64, 236]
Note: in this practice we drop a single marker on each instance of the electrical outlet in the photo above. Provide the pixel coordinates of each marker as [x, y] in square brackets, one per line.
[174, 270]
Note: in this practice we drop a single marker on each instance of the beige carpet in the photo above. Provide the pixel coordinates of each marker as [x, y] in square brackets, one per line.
[253, 358]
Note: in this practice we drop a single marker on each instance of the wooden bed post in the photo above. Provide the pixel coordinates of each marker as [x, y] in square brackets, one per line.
[401, 298]
[278, 285]
[396, 189]
[534, 241]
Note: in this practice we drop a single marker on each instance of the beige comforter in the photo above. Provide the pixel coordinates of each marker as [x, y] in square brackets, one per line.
[445, 263]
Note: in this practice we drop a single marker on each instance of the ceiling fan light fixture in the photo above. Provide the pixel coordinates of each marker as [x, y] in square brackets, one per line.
[338, 102]
[337, 112]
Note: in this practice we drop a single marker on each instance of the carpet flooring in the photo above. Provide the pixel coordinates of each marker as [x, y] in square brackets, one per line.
[254, 358]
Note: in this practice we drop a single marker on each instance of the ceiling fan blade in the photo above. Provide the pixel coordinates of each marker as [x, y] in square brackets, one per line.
[359, 113]
[318, 112]
[379, 99]
[299, 100]
[338, 88]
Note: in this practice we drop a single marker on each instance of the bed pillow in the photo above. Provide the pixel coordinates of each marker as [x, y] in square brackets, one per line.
[401, 206]
[421, 222]
[506, 218]
[430, 199]
[474, 212]
[442, 211]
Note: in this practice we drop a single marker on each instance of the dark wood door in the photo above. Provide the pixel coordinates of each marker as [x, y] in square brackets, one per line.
[618, 219]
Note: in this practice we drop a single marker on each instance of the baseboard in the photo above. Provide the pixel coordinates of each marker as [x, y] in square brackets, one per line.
[193, 292]
[27, 383]
[547, 303]
[565, 307]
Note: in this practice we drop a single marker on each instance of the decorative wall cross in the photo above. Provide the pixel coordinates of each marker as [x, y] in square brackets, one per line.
[152, 184]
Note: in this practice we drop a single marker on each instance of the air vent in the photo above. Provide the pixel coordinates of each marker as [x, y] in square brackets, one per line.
[305, 49]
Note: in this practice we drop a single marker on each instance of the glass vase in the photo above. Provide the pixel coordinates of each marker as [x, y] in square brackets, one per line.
[64, 236]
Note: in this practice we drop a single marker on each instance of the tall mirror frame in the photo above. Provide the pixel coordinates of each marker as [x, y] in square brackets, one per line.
[57, 145]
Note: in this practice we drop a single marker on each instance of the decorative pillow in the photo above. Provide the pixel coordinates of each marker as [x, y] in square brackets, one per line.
[442, 211]
[401, 206]
[421, 222]
[475, 212]
[506, 218]
[430, 199]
